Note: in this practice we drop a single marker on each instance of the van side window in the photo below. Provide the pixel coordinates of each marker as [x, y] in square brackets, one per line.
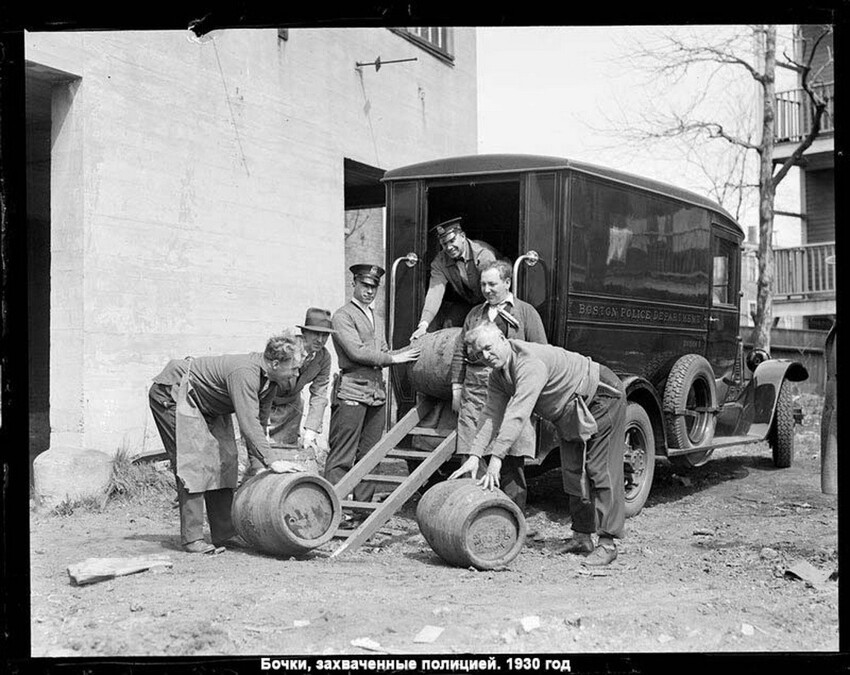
[723, 282]
[631, 243]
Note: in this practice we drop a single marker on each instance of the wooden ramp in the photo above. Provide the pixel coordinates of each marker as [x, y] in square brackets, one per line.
[404, 486]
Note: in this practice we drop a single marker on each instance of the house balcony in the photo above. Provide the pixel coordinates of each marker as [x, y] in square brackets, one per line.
[804, 280]
[794, 114]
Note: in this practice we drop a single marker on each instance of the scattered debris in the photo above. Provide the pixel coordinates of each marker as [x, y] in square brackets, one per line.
[665, 638]
[371, 645]
[703, 533]
[135, 607]
[747, 629]
[441, 610]
[428, 634]
[684, 480]
[300, 623]
[530, 623]
[92, 570]
[804, 570]
[574, 622]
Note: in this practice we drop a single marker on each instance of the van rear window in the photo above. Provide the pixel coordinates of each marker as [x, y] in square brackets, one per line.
[627, 242]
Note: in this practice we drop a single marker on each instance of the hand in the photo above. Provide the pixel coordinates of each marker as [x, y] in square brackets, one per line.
[457, 391]
[284, 466]
[470, 466]
[491, 479]
[407, 355]
[268, 437]
[310, 439]
[421, 329]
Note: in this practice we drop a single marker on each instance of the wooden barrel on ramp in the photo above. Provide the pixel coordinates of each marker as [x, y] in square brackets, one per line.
[467, 525]
[431, 373]
[286, 513]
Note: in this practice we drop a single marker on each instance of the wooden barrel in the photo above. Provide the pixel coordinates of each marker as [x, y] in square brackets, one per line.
[431, 372]
[286, 513]
[467, 525]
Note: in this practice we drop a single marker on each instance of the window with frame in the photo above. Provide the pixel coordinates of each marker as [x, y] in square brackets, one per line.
[723, 277]
[435, 39]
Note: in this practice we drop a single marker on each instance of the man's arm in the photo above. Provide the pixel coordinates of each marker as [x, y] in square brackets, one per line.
[348, 340]
[436, 290]
[534, 331]
[319, 394]
[242, 386]
[530, 380]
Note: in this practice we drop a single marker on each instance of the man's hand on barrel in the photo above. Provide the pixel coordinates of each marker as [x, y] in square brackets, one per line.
[406, 355]
[284, 466]
[491, 478]
[470, 466]
[456, 394]
[421, 329]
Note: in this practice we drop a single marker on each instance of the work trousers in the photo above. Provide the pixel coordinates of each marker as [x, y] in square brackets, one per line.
[354, 429]
[605, 509]
[191, 504]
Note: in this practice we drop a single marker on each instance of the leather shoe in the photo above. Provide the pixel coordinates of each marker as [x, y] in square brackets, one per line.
[234, 542]
[576, 545]
[602, 555]
[198, 546]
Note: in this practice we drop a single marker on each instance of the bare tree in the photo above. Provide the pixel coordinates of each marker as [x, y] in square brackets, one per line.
[742, 130]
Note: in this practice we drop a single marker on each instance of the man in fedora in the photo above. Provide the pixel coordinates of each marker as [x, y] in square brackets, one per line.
[357, 401]
[288, 406]
[457, 267]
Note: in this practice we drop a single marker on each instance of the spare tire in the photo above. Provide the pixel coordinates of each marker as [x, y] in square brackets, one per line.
[690, 403]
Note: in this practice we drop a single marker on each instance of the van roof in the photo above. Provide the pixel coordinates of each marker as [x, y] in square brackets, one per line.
[471, 165]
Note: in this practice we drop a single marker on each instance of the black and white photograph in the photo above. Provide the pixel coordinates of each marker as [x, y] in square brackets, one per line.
[484, 346]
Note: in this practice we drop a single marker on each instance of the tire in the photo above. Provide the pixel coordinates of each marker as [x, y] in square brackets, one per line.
[639, 458]
[690, 403]
[781, 434]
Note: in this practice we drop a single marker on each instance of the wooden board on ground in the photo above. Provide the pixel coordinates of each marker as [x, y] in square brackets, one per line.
[92, 570]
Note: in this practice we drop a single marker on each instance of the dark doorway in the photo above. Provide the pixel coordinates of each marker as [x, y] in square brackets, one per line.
[39, 87]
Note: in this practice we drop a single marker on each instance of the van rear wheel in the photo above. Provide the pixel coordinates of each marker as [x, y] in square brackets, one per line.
[638, 458]
[690, 403]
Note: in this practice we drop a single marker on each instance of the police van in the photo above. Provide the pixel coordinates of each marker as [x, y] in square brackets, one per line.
[637, 274]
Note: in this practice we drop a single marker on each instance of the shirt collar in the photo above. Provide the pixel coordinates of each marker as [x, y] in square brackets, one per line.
[366, 308]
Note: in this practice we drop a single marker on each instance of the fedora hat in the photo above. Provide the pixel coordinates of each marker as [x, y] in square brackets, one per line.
[318, 320]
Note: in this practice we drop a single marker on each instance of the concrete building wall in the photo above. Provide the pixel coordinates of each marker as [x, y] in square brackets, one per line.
[197, 193]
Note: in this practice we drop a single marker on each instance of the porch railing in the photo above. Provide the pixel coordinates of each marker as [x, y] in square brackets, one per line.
[804, 271]
[794, 113]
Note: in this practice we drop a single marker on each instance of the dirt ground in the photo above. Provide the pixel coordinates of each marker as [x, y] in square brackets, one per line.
[702, 568]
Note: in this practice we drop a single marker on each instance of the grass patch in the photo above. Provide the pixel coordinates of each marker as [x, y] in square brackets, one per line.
[138, 481]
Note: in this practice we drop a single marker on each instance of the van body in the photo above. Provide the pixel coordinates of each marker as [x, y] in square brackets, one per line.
[639, 275]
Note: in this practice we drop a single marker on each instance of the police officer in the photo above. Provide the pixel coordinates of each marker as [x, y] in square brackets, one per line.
[357, 402]
[458, 265]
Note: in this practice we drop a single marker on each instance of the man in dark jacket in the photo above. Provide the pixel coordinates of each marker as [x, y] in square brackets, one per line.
[457, 267]
[192, 401]
[288, 406]
[585, 401]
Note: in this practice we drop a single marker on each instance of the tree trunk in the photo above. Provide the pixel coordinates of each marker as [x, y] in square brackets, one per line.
[764, 293]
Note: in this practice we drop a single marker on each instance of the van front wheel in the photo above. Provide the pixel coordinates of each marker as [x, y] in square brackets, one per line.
[781, 435]
[638, 458]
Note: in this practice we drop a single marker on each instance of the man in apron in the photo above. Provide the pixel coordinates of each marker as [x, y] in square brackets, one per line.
[192, 401]
[357, 401]
[288, 406]
[585, 401]
[455, 268]
[517, 320]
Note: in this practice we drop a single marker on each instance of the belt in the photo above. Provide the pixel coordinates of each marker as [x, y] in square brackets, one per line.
[369, 370]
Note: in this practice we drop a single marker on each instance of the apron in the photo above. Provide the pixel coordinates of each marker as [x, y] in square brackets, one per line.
[473, 400]
[207, 457]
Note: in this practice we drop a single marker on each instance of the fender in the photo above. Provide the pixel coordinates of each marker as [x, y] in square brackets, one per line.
[640, 390]
[767, 379]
